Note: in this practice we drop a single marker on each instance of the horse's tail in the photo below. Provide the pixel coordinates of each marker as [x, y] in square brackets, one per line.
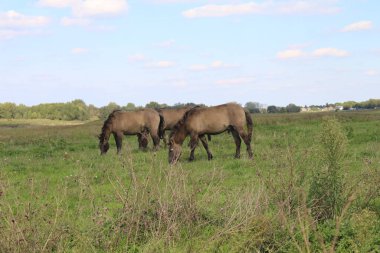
[249, 121]
[161, 126]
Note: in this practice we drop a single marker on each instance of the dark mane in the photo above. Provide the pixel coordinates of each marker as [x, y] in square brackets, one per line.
[159, 109]
[184, 118]
[106, 124]
[189, 112]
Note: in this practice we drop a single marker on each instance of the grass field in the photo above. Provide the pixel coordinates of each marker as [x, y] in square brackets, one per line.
[58, 194]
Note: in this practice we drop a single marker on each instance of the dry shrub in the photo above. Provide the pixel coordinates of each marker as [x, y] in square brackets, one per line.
[33, 225]
[246, 227]
[326, 189]
[160, 206]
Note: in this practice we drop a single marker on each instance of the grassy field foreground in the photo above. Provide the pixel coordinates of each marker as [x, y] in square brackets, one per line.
[313, 186]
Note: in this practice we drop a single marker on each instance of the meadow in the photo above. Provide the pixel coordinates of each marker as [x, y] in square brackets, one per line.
[313, 186]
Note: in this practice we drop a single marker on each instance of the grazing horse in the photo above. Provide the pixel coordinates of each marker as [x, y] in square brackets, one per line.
[200, 121]
[171, 117]
[138, 123]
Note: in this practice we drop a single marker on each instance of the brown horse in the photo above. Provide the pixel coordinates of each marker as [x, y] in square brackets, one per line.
[171, 117]
[138, 123]
[200, 121]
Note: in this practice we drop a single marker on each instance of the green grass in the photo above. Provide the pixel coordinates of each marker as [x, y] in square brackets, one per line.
[58, 194]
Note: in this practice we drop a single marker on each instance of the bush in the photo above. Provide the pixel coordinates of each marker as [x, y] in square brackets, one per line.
[325, 193]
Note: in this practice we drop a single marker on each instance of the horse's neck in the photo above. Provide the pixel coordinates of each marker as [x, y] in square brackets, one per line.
[107, 133]
[180, 135]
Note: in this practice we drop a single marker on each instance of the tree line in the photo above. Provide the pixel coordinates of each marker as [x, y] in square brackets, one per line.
[79, 110]
[74, 110]
[369, 104]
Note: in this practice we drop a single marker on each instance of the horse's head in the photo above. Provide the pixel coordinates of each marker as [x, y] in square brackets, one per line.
[143, 140]
[103, 146]
[175, 151]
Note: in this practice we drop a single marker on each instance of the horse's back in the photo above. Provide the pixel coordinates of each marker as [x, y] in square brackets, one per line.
[217, 118]
[172, 116]
[132, 122]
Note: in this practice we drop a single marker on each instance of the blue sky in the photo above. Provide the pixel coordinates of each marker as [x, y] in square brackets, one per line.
[269, 51]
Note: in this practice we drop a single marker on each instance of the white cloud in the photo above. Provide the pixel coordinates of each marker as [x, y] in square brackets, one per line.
[14, 24]
[160, 64]
[213, 65]
[306, 7]
[56, 3]
[266, 7]
[6, 34]
[358, 26]
[99, 8]
[329, 52]
[218, 64]
[166, 44]
[235, 81]
[172, 1]
[16, 20]
[66, 21]
[89, 8]
[137, 58]
[198, 67]
[290, 53]
[213, 10]
[320, 52]
[371, 72]
[79, 50]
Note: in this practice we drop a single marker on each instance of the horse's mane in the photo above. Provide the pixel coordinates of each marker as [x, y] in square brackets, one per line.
[159, 109]
[189, 113]
[106, 124]
[183, 120]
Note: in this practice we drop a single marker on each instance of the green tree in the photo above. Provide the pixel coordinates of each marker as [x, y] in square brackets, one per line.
[8, 110]
[293, 108]
[106, 110]
[272, 109]
[253, 107]
[152, 104]
[129, 106]
[348, 105]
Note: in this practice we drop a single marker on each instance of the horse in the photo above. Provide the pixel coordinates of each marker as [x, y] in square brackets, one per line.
[171, 117]
[138, 123]
[201, 121]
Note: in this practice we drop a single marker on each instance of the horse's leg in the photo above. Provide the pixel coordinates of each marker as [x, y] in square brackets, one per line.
[164, 139]
[139, 136]
[237, 140]
[205, 145]
[142, 140]
[119, 141]
[156, 139]
[193, 144]
[246, 140]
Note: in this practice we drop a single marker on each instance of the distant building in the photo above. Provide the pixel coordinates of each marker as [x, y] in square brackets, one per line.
[321, 108]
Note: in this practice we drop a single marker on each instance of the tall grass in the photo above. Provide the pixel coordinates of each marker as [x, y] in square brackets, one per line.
[58, 195]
